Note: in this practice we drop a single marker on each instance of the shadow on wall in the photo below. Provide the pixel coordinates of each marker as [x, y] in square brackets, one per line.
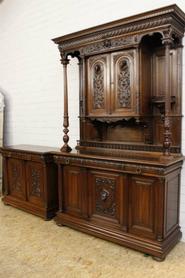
[3, 120]
[1, 133]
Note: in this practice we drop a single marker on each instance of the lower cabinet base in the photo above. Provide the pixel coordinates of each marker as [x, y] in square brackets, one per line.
[45, 213]
[157, 249]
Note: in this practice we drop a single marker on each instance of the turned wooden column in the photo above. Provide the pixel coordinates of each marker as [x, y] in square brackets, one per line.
[167, 124]
[65, 147]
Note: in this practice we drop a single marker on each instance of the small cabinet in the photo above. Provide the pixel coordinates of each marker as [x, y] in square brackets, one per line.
[113, 84]
[30, 180]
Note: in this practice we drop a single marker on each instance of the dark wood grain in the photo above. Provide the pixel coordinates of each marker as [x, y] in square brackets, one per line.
[30, 179]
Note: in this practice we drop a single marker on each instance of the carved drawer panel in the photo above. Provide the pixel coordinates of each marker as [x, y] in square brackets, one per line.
[16, 180]
[24, 156]
[121, 166]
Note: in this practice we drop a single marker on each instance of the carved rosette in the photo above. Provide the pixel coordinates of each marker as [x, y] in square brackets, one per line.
[35, 183]
[105, 196]
[98, 86]
[124, 94]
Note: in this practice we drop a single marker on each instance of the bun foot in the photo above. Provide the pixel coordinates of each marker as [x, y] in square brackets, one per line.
[158, 259]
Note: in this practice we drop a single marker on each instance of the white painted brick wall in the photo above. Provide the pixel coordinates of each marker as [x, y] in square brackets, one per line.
[30, 71]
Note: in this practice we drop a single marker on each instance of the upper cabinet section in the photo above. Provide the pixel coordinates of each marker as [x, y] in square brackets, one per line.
[112, 84]
[130, 73]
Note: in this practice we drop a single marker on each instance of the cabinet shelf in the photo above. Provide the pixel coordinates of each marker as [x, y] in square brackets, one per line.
[159, 102]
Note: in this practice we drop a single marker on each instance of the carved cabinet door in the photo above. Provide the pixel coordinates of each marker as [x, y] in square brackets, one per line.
[124, 83]
[108, 199]
[145, 208]
[74, 196]
[35, 182]
[98, 87]
[16, 179]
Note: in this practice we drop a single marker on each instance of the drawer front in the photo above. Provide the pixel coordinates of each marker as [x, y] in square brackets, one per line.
[35, 183]
[16, 179]
[121, 166]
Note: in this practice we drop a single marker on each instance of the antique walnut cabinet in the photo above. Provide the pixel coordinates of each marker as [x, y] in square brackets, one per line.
[122, 183]
[30, 179]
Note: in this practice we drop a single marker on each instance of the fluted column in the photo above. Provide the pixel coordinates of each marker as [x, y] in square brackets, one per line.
[65, 147]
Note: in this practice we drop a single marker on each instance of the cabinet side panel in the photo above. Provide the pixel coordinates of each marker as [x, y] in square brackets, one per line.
[172, 204]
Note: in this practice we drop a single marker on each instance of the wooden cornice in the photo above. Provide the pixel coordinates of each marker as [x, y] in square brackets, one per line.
[165, 17]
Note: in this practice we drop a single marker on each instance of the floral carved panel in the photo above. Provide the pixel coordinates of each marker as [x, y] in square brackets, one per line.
[35, 183]
[123, 84]
[16, 175]
[98, 86]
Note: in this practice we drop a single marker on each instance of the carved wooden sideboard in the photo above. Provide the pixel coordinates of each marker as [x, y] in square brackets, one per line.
[122, 183]
[30, 179]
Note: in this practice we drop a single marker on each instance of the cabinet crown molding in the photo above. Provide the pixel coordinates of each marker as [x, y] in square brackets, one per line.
[133, 26]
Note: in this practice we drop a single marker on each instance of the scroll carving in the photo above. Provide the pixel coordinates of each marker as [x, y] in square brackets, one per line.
[124, 95]
[16, 184]
[98, 86]
[105, 196]
[35, 183]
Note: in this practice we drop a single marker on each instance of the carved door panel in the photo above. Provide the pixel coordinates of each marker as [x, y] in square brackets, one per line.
[108, 198]
[124, 83]
[35, 182]
[16, 178]
[143, 206]
[98, 85]
[74, 199]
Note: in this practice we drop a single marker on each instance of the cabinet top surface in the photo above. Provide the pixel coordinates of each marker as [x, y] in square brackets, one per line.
[160, 17]
[145, 158]
[30, 148]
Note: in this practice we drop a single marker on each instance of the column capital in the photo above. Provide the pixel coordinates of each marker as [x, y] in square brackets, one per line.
[64, 57]
[167, 39]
